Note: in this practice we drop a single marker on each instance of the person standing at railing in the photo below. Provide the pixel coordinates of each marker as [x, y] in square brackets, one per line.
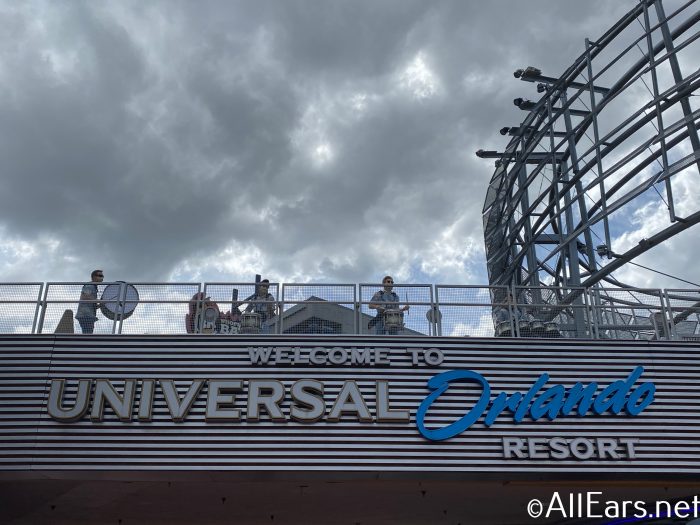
[262, 302]
[389, 317]
[87, 309]
[503, 315]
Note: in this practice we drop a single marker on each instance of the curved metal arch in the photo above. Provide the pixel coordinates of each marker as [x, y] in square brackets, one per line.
[540, 234]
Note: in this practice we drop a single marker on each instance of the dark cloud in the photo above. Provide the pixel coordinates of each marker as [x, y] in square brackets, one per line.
[329, 141]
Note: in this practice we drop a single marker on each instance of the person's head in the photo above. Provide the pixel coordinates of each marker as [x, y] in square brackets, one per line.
[97, 276]
[264, 287]
[388, 282]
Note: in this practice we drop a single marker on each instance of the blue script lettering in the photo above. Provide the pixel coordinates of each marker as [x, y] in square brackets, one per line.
[552, 402]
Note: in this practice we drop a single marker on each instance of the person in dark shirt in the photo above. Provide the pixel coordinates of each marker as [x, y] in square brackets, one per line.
[87, 309]
[262, 302]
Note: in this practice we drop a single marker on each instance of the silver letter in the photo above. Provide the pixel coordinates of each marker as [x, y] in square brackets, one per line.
[414, 354]
[337, 355]
[532, 445]
[607, 445]
[381, 356]
[384, 413]
[80, 406]
[361, 356]
[122, 405]
[433, 357]
[222, 393]
[313, 356]
[513, 447]
[350, 400]
[180, 407]
[298, 358]
[308, 392]
[586, 443]
[630, 446]
[271, 402]
[259, 355]
[282, 356]
[146, 400]
[559, 448]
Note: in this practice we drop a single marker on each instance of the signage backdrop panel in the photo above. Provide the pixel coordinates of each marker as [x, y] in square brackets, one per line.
[24, 369]
[348, 404]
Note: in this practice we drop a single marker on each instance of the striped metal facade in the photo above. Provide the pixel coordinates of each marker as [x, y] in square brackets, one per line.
[668, 430]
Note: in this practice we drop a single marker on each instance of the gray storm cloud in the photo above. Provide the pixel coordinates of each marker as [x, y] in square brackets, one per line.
[325, 141]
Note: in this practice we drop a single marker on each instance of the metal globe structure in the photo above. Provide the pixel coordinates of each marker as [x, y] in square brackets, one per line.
[614, 134]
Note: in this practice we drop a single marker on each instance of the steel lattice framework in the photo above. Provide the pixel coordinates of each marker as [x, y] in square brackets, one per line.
[614, 134]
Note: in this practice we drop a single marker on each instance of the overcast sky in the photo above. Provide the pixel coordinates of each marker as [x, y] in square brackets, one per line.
[317, 141]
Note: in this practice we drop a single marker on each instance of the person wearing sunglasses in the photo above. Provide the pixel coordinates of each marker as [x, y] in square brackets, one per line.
[262, 302]
[87, 309]
[384, 301]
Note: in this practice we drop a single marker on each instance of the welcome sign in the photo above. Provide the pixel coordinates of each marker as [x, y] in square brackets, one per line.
[363, 404]
[309, 405]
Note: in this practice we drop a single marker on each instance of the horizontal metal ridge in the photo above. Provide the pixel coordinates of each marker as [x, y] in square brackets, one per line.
[668, 430]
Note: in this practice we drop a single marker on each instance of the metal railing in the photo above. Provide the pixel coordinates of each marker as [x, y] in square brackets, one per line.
[476, 311]
[318, 309]
[19, 307]
[413, 321]
[349, 309]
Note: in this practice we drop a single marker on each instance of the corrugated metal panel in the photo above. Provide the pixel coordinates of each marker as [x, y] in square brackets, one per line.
[667, 430]
[24, 371]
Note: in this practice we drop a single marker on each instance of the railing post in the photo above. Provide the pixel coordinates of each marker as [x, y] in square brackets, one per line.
[356, 311]
[36, 309]
[360, 324]
[198, 321]
[512, 306]
[667, 310]
[121, 306]
[587, 310]
[280, 310]
[595, 333]
[40, 328]
[435, 309]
